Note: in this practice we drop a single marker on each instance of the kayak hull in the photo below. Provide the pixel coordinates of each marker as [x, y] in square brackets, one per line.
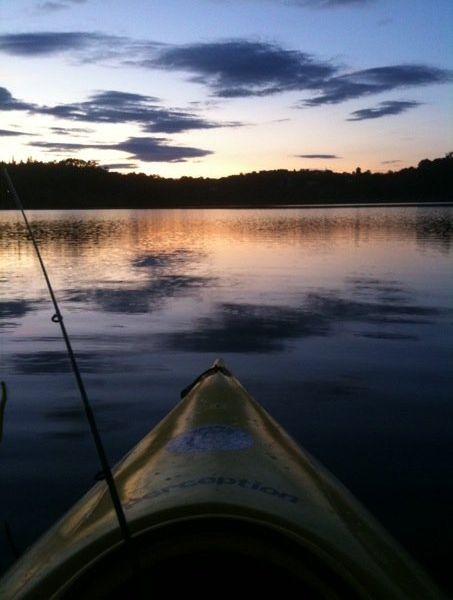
[219, 484]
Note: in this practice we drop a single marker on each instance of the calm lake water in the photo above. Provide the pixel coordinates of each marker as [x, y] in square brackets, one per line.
[338, 320]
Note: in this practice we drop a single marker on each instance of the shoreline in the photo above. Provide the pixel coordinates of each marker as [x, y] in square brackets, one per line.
[242, 206]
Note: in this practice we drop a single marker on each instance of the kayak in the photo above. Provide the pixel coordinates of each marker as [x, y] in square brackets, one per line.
[219, 500]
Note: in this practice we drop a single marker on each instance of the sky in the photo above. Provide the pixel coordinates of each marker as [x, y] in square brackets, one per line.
[217, 87]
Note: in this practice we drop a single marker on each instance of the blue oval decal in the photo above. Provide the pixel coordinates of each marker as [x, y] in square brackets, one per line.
[211, 438]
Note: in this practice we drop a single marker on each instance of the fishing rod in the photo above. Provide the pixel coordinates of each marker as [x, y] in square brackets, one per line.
[58, 318]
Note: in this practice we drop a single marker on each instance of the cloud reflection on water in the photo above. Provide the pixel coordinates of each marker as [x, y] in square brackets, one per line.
[246, 327]
[164, 280]
[336, 308]
[69, 421]
[17, 310]
[381, 335]
[238, 327]
[43, 362]
[140, 299]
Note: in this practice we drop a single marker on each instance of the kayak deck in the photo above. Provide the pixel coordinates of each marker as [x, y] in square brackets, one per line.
[215, 494]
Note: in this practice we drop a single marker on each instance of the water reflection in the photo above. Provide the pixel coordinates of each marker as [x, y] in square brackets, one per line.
[42, 362]
[246, 328]
[388, 335]
[336, 308]
[138, 300]
[338, 320]
[263, 328]
[429, 227]
[390, 289]
[435, 232]
[328, 390]
[69, 422]
[164, 260]
[164, 280]
[54, 228]
[16, 309]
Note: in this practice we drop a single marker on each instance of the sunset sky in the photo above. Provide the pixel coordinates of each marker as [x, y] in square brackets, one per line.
[216, 87]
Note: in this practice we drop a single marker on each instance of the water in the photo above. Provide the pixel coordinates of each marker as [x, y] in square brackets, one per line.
[338, 320]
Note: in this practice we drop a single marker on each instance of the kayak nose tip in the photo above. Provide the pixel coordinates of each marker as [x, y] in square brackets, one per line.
[219, 363]
[217, 367]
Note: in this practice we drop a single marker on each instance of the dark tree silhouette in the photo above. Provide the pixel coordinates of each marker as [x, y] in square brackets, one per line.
[74, 183]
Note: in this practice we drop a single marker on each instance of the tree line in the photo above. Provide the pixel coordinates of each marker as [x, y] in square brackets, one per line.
[74, 183]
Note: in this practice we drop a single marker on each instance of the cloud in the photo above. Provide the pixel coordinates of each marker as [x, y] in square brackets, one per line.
[241, 68]
[329, 3]
[49, 7]
[46, 43]
[321, 4]
[82, 47]
[390, 162]
[115, 166]
[112, 106]
[8, 102]
[389, 107]
[375, 81]
[139, 148]
[325, 156]
[10, 132]
[231, 68]
[168, 121]
[121, 107]
[244, 68]
[158, 150]
[69, 130]
[58, 146]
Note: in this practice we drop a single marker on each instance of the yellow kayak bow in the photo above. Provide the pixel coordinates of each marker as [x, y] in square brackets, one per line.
[219, 499]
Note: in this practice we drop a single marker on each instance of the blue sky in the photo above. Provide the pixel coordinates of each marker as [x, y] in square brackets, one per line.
[214, 87]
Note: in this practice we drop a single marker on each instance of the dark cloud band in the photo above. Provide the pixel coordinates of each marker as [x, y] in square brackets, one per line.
[143, 149]
[329, 3]
[389, 107]
[117, 166]
[8, 102]
[51, 42]
[377, 80]
[231, 68]
[12, 133]
[324, 156]
[118, 107]
[243, 68]
[52, 6]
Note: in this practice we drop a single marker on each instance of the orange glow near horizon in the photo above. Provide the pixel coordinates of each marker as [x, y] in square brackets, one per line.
[94, 247]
